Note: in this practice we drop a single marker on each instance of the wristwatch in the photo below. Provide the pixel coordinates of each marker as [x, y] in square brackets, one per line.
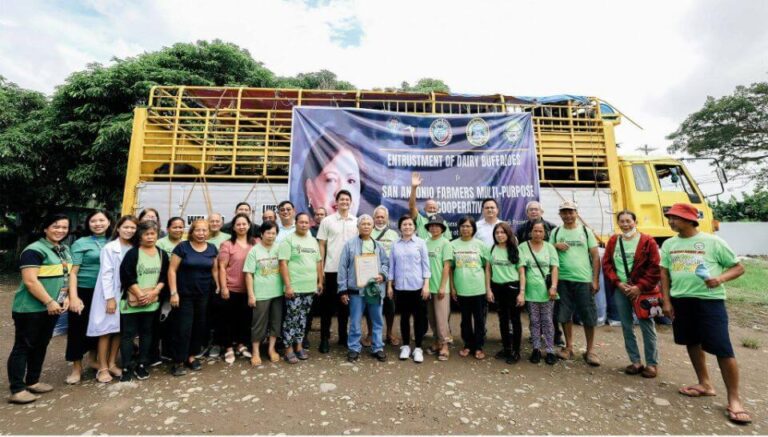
[174, 293]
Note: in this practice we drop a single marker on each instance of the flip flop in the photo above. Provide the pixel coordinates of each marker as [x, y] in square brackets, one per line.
[733, 416]
[692, 392]
[464, 352]
[479, 355]
[394, 341]
[443, 356]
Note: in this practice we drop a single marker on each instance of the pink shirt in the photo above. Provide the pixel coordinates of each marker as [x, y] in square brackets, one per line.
[234, 257]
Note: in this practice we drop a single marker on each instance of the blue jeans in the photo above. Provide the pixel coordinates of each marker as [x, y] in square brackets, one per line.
[357, 304]
[647, 326]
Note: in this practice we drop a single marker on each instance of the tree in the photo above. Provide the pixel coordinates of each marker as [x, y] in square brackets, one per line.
[320, 80]
[732, 128]
[752, 207]
[426, 85]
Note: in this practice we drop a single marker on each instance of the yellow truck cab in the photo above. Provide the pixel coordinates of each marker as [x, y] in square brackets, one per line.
[196, 150]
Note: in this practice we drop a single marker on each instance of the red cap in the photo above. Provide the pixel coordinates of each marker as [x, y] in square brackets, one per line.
[684, 211]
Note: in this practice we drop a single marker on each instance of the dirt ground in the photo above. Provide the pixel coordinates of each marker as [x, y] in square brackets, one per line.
[327, 395]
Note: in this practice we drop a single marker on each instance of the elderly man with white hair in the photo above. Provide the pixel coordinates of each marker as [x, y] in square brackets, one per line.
[535, 213]
[359, 297]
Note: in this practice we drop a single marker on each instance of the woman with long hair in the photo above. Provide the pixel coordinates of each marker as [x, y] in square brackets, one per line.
[104, 320]
[234, 318]
[82, 280]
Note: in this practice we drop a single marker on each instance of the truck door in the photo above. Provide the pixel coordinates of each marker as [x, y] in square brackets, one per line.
[675, 186]
[642, 198]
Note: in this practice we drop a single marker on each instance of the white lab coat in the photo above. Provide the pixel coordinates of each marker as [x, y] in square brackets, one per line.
[107, 287]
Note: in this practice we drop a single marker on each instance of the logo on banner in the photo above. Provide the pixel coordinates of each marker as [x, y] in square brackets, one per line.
[512, 131]
[478, 132]
[393, 124]
[440, 131]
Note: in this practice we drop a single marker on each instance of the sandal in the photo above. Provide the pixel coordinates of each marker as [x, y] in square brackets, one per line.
[634, 369]
[740, 417]
[229, 357]
[479, 354]
[242, 350]
[103, 376]
[394, 341]
[291, 358]
[116, 371]
[694, 392]
[255, 361]
[443, 355]
[274, 356]
[366, 341]
[464, 352]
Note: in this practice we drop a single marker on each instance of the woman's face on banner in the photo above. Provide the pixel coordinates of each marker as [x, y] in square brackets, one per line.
[342, 173]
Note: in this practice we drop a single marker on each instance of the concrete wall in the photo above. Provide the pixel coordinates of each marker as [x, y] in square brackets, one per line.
[746, 238]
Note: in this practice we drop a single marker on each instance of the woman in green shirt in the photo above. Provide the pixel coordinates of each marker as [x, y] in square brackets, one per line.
[82, 280]
[301, 268]
[175, 234]
[39, 300]
[469, 257]
[505, 287]
[539, 260]
[143, 275]
[265, 292]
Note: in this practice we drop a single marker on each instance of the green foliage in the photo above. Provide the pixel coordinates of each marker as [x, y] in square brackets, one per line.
[752, 208]
[750, 343]
[320, 80]
[732, 128]
[426, 85]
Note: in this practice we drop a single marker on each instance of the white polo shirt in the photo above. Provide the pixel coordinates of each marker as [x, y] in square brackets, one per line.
[485, 231]
[336, 231]
[283, 231]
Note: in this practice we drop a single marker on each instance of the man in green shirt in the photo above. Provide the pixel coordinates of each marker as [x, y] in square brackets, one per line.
[216, 237]
[579, 278]
[430, 208]
[694, 266]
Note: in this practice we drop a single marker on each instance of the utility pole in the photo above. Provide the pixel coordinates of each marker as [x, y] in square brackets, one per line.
[646, 149]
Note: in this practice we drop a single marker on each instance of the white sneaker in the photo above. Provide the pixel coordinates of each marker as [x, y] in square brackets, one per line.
[418, 355]
[405, 352]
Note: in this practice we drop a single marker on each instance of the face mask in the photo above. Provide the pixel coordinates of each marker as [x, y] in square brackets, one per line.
[380, 228]
[630, 234]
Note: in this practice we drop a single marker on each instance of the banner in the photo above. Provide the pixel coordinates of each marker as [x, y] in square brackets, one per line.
[461, 158]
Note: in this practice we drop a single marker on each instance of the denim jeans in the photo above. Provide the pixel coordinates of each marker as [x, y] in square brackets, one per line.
[357, 305]
[647, 326]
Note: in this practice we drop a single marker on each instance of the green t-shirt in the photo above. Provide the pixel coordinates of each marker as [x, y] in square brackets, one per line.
[682, 256]
[302, 254]
[53, 267]
[469, 259]
[166, 245]
[535, 283]
[218, 239]
[424, 234]
[263, 264]
[147, 276]
[630, 247]
[575, 265]
[85, 253]
[386, 240]
[438, 254]
[502, 271]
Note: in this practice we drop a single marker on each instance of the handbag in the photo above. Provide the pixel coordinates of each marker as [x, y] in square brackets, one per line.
[547, 277]
[648, 305]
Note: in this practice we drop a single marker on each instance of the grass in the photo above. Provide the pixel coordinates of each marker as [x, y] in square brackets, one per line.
[751, 343]
[752, 286]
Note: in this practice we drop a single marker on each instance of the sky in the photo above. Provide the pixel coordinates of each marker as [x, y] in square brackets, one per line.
[656, 61]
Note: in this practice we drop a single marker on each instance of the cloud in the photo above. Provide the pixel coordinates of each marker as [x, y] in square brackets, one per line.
[347, 32]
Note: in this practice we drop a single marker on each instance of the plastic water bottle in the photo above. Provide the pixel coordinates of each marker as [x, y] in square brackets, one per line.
[702, 272]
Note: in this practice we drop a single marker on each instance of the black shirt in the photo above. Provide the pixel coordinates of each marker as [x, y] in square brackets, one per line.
[194, 276]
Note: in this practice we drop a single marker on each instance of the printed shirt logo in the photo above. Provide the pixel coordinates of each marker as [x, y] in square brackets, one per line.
[698, 246]
[686, 260]
[440, 132]
[467, 260]
[478, 132]
[512, 131]
[268, 266]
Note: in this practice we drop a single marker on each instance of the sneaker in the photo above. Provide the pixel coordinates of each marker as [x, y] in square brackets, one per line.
[203, 352]
[127, 375]
[195, 365]
[405, 352]
[380, 355]
[551, 359]
[244, 351]
[513, 357]
[178, 370]
[23, 397]
[214, 351]
[535, 356]
[325, 347]
[156, 363]
[141, 373]
[418, 355]
[353, 356]
[614, 323]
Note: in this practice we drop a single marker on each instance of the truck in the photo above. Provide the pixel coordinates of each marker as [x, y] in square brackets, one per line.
[197, 150]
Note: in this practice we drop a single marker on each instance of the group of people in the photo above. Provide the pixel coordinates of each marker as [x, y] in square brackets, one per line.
[238, 289]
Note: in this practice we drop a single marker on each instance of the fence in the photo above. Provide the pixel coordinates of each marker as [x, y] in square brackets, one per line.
[746, 238]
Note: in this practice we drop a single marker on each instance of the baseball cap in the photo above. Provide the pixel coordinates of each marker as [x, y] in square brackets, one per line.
[568, 204]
